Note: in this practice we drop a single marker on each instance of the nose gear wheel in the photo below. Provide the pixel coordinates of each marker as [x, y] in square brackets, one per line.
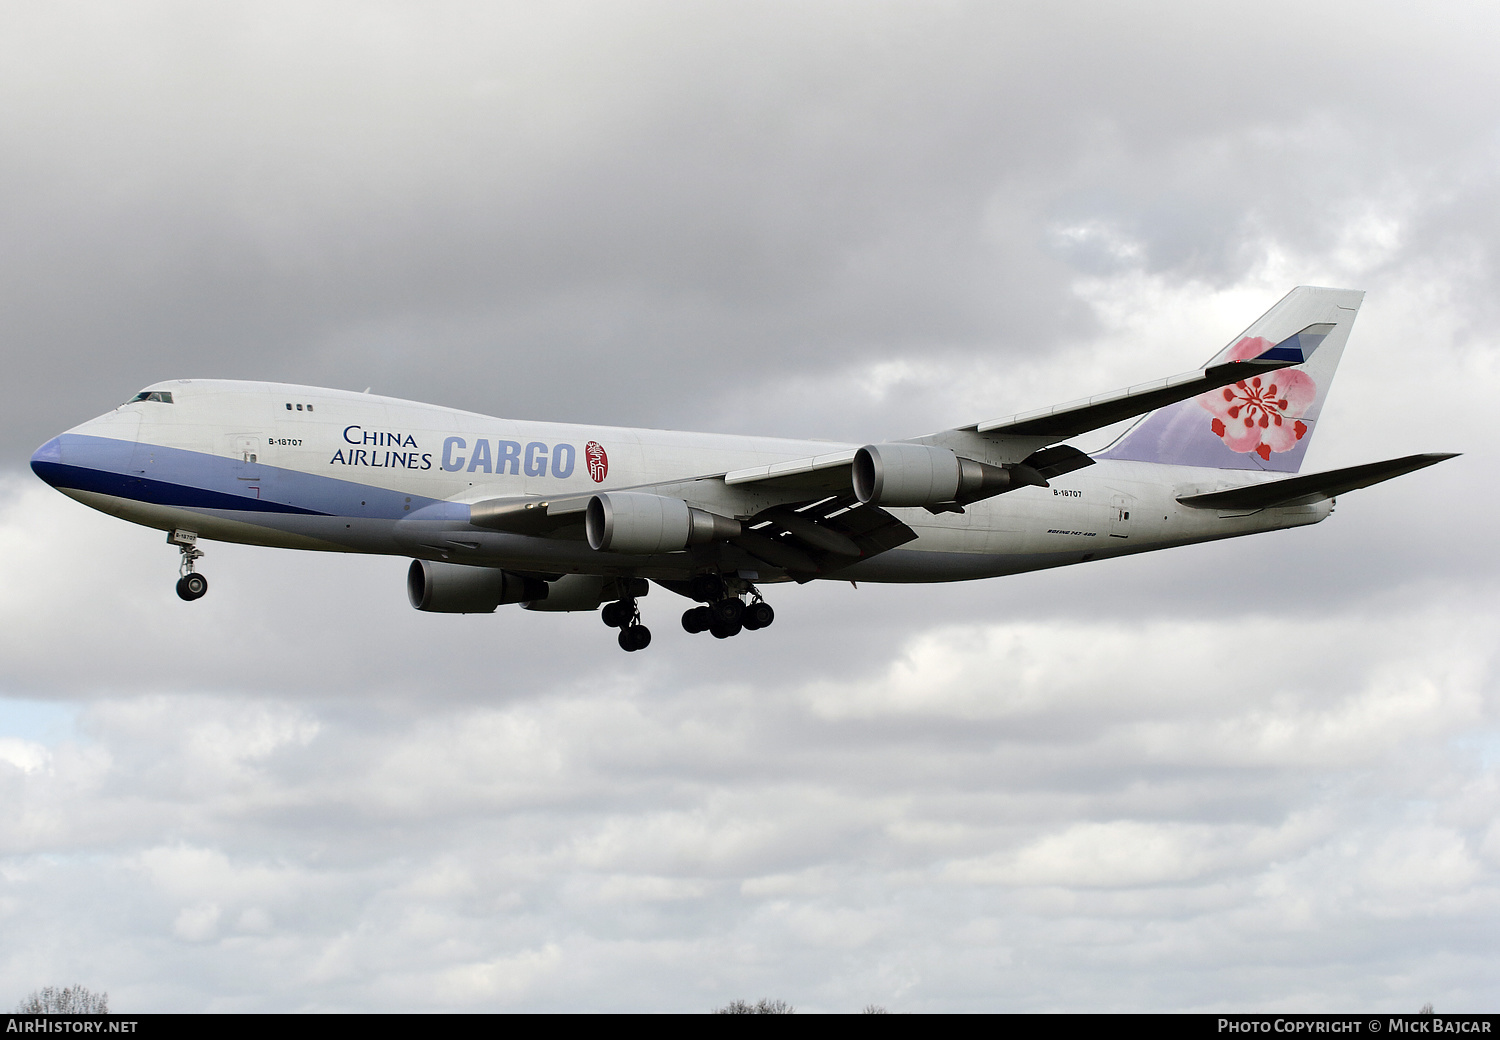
[190, 585]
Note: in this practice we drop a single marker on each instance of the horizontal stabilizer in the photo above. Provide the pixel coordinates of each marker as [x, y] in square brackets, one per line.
[1092, 413]
[1312, 487]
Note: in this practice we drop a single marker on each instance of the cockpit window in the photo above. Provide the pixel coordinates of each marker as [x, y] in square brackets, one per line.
[164, 396]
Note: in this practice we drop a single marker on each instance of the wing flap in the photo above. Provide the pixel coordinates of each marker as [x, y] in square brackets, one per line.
[1057, 460]
[822, 537]
[1314, 486]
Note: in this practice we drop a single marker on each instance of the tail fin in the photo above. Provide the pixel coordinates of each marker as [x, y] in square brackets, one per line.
[1264, 423]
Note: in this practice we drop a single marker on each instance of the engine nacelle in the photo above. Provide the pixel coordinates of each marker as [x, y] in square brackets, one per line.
[587, 591]
[635, 522]
[453, 588]
[905, 475]
[923, 475]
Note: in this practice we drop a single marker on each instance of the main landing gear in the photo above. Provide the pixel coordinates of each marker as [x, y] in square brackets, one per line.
[725, 613]
[191, 585]
[625, 615]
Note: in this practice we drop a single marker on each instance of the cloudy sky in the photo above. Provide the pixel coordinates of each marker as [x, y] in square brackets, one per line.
[1255, 774]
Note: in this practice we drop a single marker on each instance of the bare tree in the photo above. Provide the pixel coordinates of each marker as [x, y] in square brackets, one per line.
[1426, 1009]
[874, 1009]
[760, 1007]
[74, 1000]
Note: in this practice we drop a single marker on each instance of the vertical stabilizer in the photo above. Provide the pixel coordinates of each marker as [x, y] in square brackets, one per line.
[1264, 423]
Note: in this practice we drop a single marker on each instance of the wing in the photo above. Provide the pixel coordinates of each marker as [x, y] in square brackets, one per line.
[817, 474]
[535, 516]
[1028, 442]
[1062, 421]
[809, 535]
[831, 474]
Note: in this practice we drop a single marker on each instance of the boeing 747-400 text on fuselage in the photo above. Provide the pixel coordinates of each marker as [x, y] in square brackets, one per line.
[562, 517]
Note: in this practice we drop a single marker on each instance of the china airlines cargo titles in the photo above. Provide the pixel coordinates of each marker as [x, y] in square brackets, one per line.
[383, 449]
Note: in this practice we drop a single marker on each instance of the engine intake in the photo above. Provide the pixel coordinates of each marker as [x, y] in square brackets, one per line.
[453, 588]
[635, 522]
[923, 475]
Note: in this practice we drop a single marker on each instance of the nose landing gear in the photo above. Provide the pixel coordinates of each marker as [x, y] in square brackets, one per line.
[191, 585]
[625, 615]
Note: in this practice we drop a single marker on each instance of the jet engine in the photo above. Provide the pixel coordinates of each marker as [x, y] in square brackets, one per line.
[635, 522]
[923, 475]
[453, 588]
[587, 591]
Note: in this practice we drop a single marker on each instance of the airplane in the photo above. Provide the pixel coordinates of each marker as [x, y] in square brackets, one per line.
[558, 517]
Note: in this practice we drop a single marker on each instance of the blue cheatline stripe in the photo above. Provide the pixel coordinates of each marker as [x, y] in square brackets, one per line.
[1282, 352]
[157, 492]
[179, 476]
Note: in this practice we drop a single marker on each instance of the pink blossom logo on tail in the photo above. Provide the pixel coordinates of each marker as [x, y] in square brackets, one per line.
[597, 460]
[1260, 414]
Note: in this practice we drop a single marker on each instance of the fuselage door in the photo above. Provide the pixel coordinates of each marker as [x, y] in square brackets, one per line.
[1119, 516]
[246, 450]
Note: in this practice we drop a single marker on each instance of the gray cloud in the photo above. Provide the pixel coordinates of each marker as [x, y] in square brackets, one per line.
[364, 195]
[899, 836]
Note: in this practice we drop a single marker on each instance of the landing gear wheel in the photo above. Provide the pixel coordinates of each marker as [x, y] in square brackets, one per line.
[636, 637]
[696, 619]
[192, 586]
[615, 614]
[725, 629]
[729, 611]
[759, 615]
[705, 588]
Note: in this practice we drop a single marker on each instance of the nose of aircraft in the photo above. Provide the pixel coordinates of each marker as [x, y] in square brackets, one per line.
[47, 460]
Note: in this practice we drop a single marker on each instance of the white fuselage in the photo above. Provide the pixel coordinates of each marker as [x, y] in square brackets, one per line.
[354, 472]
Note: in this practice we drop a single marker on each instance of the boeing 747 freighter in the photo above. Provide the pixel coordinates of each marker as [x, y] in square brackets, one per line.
[564, 517]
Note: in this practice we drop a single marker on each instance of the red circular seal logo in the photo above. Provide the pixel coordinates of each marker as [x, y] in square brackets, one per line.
[598, 461]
